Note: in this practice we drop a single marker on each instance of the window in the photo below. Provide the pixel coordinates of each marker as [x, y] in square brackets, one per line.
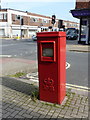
[84, 24]
[17, 17]
[65, 24]
[4, 16]
[1, 16]
[34, 19]
[75, 25]
[45, 21]
[70, 24]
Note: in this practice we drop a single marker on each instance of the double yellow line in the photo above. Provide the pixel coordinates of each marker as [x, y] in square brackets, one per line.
[78, 87]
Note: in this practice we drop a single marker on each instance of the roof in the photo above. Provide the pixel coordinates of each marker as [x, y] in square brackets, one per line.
[81, 12]
[29, 13]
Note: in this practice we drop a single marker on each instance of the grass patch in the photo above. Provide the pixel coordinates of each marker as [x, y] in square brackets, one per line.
[56, 105]
[86, 99]
[18, 74]
[48, 104]
[35, 95]
[68, 93]
[52, 105]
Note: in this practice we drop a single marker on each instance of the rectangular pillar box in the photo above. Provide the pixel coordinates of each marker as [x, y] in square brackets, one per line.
[52, 66]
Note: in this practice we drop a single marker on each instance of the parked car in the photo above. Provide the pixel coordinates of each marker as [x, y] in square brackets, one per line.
[34, 37]
[72, 36]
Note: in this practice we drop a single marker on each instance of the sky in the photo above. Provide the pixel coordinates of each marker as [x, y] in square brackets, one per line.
[61, 8]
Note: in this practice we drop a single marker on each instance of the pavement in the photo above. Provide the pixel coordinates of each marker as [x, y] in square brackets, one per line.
[13, 65]
[20, 100]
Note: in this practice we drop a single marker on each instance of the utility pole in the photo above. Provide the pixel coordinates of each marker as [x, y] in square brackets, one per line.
[21, 23]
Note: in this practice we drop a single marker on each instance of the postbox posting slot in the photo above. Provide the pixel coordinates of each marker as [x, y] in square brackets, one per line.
[47, 51]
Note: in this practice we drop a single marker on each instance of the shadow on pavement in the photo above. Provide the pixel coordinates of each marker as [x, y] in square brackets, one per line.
[18, 85]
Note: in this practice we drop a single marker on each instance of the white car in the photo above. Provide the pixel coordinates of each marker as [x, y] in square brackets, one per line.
[34, 37]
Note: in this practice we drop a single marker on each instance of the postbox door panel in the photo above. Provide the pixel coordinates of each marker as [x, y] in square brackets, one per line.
[48, 51]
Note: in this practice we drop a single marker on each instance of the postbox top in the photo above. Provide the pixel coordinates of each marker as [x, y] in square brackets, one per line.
[51, 34]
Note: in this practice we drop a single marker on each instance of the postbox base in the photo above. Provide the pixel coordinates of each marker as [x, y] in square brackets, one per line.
[55, 102]
[53, 96]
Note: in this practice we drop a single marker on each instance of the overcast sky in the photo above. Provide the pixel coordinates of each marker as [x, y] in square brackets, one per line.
[61, 8]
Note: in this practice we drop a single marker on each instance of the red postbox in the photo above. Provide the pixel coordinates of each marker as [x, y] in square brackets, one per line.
[52, 66]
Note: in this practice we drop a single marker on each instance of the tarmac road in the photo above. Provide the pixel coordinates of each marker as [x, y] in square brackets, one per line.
[23, 56]
[77, 74]
[20, 49]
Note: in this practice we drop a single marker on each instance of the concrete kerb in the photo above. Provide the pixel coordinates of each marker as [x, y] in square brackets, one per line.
[33, 78]
[16, 39]
[74, 88]
[78, 48]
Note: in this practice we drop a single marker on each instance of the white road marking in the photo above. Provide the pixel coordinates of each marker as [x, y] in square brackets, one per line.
[3, 45]
[82, 89]
[77, 86]
[1, 56]
[29, 75]
[7, 45]
[70, 86]
[67, 65]
[34, 80]
[35, 51]
[31, 43]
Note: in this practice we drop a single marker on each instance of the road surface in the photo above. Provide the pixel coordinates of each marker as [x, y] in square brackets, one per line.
[77, 74]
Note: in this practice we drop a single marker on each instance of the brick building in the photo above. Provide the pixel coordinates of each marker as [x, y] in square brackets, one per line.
[82, 12]
[25, 24]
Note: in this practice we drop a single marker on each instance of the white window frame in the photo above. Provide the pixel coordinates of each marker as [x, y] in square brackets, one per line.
[5, 16]
[1, 16]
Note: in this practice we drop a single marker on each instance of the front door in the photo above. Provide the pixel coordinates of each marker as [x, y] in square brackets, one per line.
[84, 30]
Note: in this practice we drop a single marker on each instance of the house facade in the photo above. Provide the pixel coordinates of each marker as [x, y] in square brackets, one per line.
[23, 23]
[82, 12]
